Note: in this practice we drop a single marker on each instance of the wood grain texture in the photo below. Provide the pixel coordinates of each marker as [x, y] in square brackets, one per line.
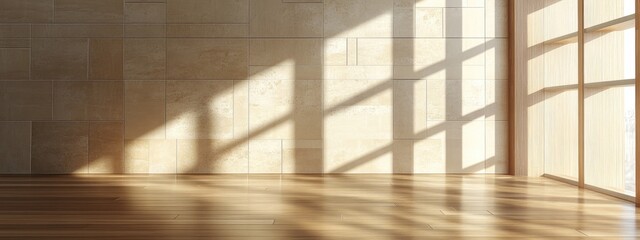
[512, 84]
[581, 93]
[306, 207]
[637, 99]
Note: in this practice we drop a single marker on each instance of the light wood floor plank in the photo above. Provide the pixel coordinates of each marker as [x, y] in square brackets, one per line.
[307, 207]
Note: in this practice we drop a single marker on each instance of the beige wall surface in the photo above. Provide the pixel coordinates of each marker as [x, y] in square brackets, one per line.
[253, 86]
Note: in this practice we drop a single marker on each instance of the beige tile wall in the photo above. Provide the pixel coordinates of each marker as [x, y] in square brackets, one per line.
[253, 86]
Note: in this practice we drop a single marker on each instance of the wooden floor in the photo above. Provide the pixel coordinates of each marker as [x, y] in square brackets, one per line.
[306, 207]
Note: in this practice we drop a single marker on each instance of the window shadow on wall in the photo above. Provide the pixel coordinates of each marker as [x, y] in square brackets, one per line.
[212, 153]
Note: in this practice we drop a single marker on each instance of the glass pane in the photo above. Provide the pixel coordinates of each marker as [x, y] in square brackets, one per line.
[610, 95]
[560, 18]
[610, 138]
[602, 11]
[609, 56]
[630, 140]
[561, 95]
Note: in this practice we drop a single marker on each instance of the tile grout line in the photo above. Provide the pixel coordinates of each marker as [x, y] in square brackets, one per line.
[233, 109]
[228, 37]
[248, 134]
[88, 123]
[88, 57]
[30, 147]
[322, 89]
[31, 78]
[124, 98]
[166, 43]
[30, 50]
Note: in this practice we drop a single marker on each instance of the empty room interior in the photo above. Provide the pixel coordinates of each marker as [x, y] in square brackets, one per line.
[318, 119]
